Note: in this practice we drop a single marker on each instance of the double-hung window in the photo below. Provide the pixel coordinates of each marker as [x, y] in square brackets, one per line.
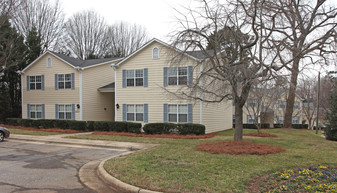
[251, 119]
[135, 112]
[297, 105]
[35, 111]
[135, 77]
[282, 104]
[64, 81]
[252, 103]
[296, 120]
[177, 113]
[35, 82]
[65, 111]
[177, 76]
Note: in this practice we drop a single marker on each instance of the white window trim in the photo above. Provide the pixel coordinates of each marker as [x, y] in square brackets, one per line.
[153, 53]
[134, 112]
[35, 82]
[134, 77]
[49, 64]
[64, 81]
[177, 114]
[176, 76]
[35, 111]
[65, 111]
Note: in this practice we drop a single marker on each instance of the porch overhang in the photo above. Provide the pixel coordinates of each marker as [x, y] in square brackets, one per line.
[107, 88]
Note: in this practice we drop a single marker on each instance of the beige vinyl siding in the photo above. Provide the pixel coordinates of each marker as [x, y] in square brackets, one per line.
[154, 95]
[93, 101]
[49, 96]
[217, 116]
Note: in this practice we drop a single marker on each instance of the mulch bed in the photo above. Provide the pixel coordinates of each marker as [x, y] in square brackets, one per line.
[46, 130]
[260, 134]
[239, 147]
[171, 136]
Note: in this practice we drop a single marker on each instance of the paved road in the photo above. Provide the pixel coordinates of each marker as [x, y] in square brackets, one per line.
[39, 167]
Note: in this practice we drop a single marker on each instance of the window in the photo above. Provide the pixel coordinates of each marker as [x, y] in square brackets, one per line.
[35, 82]
[155, 53]
[251, 119]
[65, 111]
[252, 103]
[134, 77]
[64, 81]
[35, 111]
[177, 76]
[49, 62]
[135, 112]
[233, 119]
[282, 104]
[310, 105]
[296, 120]
[177, 113]
[297, 105]
[280, 119]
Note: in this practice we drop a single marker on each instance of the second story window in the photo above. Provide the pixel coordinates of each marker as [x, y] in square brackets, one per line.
[297, 105]
[134, 77]
[252, 103]
[282, 104]
[177, 76]
[155, 53]
[35, 82]
[64, 81]
[49, 62]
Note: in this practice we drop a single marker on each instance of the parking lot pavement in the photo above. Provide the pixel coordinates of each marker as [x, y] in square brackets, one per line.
[40, 167]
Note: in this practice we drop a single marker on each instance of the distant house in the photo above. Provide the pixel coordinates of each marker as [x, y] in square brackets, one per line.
[135, 88]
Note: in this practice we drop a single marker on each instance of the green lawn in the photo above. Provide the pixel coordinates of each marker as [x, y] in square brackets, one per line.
[29, 132]
[175, 165]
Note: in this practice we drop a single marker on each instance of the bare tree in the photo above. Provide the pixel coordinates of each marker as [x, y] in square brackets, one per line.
[45, 17]
[302, 34]
[85, 35]
[125, 38]
[236, 59]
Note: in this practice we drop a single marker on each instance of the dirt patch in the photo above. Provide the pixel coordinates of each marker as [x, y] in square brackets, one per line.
[171, 136]
[239, 147]
[46, 130]
[260, 134]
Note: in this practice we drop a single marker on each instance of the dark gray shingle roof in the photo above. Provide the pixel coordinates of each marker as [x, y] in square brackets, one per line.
[83, 63]
[111, 85]
[200, 54]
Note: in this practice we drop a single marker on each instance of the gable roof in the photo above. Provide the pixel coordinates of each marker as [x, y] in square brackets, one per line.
[195, 55]
[74, 62]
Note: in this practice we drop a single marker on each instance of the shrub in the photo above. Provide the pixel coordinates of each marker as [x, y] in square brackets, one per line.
[190, 129]
[167, 128]
[278, 125]
[118, 126]
[90, 125]
[77, 125]
[330, 133]
[13, 121]
[47, 123]
[27, 122]
[62, 124]
[133, 127]
[101, 126]
[300, 126]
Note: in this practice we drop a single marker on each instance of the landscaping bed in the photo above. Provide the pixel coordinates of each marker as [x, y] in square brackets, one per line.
[321, 178]
[170, 136]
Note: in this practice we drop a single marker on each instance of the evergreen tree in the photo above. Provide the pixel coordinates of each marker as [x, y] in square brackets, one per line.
[33, 43]
[331, 115]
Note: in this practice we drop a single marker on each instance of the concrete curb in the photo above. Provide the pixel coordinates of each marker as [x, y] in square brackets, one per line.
[116, 182]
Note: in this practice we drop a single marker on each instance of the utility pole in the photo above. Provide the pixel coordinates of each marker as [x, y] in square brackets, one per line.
[318, 91]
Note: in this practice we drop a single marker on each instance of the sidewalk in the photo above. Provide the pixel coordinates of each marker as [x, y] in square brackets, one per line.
[124, 146]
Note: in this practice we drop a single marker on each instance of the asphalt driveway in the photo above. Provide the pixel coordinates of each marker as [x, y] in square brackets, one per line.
[40, 167]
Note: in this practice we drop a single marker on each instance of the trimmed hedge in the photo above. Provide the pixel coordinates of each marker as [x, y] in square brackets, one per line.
[295, 126]
[330, 133]
[253, 126]
[168, 128]
[78, 125]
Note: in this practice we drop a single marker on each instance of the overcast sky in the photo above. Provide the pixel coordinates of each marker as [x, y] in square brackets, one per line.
[156, 15]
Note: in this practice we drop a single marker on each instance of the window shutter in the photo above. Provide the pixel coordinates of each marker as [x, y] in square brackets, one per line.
[43, 116]
[73, 81]
[145, 77]
[165, 113]
[28, 81]
[146, 115]
[28, 111]
[73, 111]
[190, 113]
[56, 83]
[189, 75]
[56, 111]
[42, 82]
[124, 78]
[124, 112]
[165, 76]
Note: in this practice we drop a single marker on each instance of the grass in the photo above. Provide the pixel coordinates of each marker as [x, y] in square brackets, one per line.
[175, 165]
[30, 132]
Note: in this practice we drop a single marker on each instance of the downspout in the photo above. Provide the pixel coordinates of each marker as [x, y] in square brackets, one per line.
[21, 76]
[115, 70]
[81, 91]
[201, 95]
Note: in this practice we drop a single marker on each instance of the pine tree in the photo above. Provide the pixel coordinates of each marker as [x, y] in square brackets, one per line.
[331, 115]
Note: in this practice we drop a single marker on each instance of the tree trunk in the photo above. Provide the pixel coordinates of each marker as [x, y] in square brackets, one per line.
[291, 95]
[238, 123]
